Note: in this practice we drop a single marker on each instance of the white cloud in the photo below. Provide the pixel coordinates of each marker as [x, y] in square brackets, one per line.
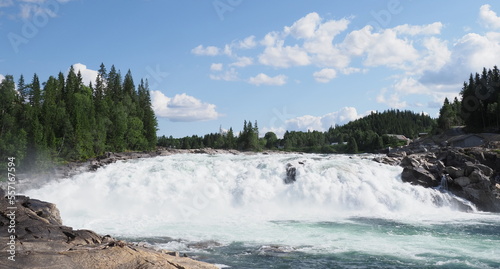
[216, 67]
[305, 27]
[182, 108]
[2, 77]
[208, 51]
[263, 79]
[323, 123]
[386, 49]
[284, 56]
[489, 17]
[242, 62]
[434, 57]
[393, 100]
[320, 45]
[325, 75]
[247, 43]
[430, 29]
[229, 75]
[409, 85]
[468, 55]
[88, 75]
[279, 131]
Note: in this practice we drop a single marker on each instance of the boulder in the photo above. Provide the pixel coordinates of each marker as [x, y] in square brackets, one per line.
[454, 172]
[43, 242]
[291, 173]
[419, 176]
[410, 161]
[462, 181]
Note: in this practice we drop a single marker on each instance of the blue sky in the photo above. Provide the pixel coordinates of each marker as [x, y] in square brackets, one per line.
[290, 65]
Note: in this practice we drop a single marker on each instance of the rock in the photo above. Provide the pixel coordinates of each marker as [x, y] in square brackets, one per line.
[291, 173]
[410, 162]
[43, 242]
[388, 160]
[419, 176]
[454, 172]
[462, 181]
[401, 154]
[484, 169]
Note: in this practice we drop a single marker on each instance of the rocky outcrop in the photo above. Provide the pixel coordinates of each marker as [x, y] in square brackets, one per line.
[42, 241]
[291, 173]
[471, 173]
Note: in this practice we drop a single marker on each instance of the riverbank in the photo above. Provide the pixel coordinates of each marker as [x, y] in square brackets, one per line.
[37, 238]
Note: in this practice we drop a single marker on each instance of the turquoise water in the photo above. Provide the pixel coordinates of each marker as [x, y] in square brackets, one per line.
[236, 211]
[389, 244]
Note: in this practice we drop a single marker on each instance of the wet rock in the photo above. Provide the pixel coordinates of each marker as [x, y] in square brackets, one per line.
[419, 176]
[291, 173]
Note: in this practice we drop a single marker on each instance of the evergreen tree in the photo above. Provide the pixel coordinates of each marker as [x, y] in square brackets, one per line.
[352, 146]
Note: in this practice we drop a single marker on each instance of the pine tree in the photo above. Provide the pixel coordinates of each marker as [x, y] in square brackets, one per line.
[352, 146]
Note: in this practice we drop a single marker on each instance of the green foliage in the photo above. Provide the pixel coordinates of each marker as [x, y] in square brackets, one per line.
[352, 146]
[368, 134]
[70, 121]
[480, 104]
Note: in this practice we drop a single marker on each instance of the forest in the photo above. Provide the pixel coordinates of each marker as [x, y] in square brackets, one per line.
[63, 120]
[368, 134]
[479, 106]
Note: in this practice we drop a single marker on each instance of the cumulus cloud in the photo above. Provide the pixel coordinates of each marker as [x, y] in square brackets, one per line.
[322, 123]
[489, 17]
[279, 131]
[88, 75]
[247, 43]
[182, 108]
[469, 54]
[392, 100]
[423, 62]
[304, 27]
[325, 75]
[216, 67]
[242, 62]
[228, 75]
[284, 56]
[430, 29]
[2, 77]
[263, 79]
[208, 51]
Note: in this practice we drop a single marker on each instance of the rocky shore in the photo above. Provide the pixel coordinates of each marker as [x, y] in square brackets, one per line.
[469, 173]
[36, 238]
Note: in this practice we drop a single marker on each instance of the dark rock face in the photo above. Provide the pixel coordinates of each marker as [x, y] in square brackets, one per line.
[42, 241]
[473, 174]
[419, 176]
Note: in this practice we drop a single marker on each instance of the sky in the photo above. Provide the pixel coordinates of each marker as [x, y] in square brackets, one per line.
[289, 65]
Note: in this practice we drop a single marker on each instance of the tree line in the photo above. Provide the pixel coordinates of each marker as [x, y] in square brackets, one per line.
[368, 134]
[62, 119]
[479, 105]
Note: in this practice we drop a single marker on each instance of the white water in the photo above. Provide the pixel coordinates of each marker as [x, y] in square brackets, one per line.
[242, 198]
